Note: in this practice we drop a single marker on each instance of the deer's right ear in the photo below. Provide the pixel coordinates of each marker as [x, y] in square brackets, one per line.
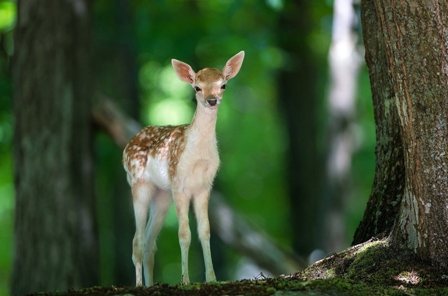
[183, 71]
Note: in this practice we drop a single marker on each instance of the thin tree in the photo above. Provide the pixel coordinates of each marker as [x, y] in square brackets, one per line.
[406, 52]
[344, 65]
[55, 245]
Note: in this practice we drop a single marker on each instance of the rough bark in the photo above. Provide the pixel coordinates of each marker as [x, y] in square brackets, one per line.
[413, 37]
[388, 184]
[55, 245]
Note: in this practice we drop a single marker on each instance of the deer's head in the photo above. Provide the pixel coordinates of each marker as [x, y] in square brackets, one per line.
[209, 83]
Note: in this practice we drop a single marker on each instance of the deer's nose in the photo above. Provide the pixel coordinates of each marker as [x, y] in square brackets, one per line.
[212, 101]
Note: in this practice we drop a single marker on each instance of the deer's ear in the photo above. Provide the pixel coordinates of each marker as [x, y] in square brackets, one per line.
[233, 65]
[183, 71]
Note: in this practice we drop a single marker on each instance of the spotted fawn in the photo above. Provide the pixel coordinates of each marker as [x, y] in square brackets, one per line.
[177, 163]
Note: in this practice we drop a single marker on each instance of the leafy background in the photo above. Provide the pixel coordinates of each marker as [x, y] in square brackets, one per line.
[251, 130]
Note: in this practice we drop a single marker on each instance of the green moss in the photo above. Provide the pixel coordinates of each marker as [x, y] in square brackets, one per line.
[374, 268]
[270, 290]
[371, 268]
[192, 286]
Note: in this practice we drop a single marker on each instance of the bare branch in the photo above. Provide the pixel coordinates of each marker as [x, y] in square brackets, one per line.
[235, 231]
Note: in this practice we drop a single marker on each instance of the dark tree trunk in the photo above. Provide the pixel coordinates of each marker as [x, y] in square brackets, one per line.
[408, 40]
[298, 100]
[56, 245]
[127, 87]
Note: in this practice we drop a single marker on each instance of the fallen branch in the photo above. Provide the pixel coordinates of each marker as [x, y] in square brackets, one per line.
[231, 227]
[235, 231]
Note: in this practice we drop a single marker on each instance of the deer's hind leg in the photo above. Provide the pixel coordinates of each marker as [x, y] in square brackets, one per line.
[142, 192]
[158, 209]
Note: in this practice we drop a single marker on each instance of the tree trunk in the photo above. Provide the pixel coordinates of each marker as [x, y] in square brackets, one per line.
[56, 245]
[298, 100]
[388, 184]
[411, 37]
[126, 91]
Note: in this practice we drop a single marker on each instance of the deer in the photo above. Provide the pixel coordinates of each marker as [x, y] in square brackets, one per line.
[166, 164]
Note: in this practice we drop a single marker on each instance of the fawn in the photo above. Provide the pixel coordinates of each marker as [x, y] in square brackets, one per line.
[178, 163]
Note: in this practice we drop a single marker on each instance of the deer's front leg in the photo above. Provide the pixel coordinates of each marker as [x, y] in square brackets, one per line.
[182, 203]
[201, 210]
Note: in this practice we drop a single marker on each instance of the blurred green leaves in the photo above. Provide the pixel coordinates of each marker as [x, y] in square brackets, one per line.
[7, 15]
[7, 22]
[166, 96]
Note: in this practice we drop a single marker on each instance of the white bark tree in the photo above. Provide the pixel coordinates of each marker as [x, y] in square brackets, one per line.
[345, 61]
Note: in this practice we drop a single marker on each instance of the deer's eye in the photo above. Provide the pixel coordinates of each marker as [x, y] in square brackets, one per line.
[197, 88]
[223, 86]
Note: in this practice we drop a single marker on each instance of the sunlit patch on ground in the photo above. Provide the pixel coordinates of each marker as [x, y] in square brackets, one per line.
[408, 277]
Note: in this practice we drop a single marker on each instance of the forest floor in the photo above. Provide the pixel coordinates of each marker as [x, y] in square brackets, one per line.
[371, 268]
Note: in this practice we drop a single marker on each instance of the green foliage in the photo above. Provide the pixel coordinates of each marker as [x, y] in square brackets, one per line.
[6, 219]
[7, 15]
[167, 101]
[7, 19]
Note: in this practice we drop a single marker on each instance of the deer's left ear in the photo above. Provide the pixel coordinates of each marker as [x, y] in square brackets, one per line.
[233, 65]
[183, 71]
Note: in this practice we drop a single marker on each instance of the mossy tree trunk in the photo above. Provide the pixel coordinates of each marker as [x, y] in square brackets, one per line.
[407, 56]
[388, 184]
[55, 245]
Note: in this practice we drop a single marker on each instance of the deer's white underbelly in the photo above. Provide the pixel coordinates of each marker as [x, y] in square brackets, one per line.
[157, 172]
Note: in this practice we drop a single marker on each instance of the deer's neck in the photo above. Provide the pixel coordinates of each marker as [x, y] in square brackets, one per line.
[202, 130]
